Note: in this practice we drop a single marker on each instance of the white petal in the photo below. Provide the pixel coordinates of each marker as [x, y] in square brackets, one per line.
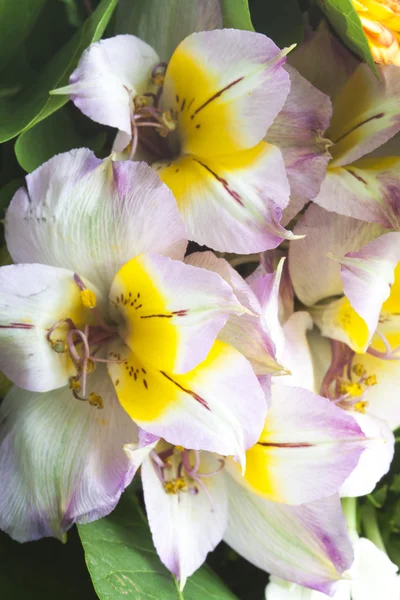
[61, 460]
[92, 216]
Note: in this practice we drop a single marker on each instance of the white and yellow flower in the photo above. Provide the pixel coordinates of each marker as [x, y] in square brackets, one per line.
[90, 322]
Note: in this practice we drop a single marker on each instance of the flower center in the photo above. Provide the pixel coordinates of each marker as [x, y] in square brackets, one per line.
[346, 383]
[177, 474]
[82, 345]
[150, 124]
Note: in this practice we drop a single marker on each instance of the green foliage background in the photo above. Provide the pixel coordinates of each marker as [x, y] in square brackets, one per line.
[41, 42]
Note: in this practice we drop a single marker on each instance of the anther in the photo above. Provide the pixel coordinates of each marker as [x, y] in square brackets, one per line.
[142, 101]
[88, 298]
[175, 486]
[95, 400]
[74, 384]
[59, 346]
[169, 121]
[359, 370]
[371, 380]
[360, 406]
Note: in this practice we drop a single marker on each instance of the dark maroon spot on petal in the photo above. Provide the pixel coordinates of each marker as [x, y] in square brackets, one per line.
[145, 383]
[17, 326]
[183, 104]
[357, 176]
[135, 376]
[138, 306]
[190, 103]
[187, 391]
[286, 445]
[224, 182]
[144, 371]
[378, 116]
[177, 98]
[217, 95]
[198, 126]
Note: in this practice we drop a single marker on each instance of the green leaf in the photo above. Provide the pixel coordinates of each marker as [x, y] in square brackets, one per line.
[33, 103]
[236, 14]
[395, 487]
[52, 136]
[123, 563]
[280, 21]
[344, 19]
[17, 20]
[378, 496]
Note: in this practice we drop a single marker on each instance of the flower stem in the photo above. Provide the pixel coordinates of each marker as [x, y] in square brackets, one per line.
[371, 527]
[349, 507]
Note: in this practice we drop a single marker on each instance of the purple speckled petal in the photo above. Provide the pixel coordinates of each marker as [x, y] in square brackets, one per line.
[32, 299]
[368, 189]
[92, 216]
[365, 114]
[61, 460]
[306, 451]
[306, 544]
[185, 526]
[234, 84]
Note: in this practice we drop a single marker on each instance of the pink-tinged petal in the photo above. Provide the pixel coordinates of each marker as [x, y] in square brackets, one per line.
[368, 189]
[185, 526]
[164, 27]
[324, 61]
[92, 216]
[61, 460]
[232, 202]
[33, 298]
[218, 406]
[368, 275]
[296, 355]
[246, 332]
[230, 82]
[375, 461]
[169, 312]
[139, 450]
[314, 275]
[365, 114]
[306, 544]
[266, 288]
[306, 451]
[298, 131]
[109, 75]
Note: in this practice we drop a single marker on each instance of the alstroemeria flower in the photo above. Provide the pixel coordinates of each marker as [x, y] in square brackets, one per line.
[363, 177]
[201, 122]
[84, 295]
[281, 515]
[347, 273]
[380, 20]
[372, 576]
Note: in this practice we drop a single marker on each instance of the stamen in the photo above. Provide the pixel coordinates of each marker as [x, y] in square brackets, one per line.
[389, 354]
[95, 400]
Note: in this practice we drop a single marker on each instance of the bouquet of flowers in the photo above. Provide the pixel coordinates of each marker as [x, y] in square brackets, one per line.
[200, 299]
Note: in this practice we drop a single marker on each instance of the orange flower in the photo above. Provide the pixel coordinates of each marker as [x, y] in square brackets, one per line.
[381, 24]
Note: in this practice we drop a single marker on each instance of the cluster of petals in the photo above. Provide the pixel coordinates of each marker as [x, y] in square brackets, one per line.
[248, 419]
